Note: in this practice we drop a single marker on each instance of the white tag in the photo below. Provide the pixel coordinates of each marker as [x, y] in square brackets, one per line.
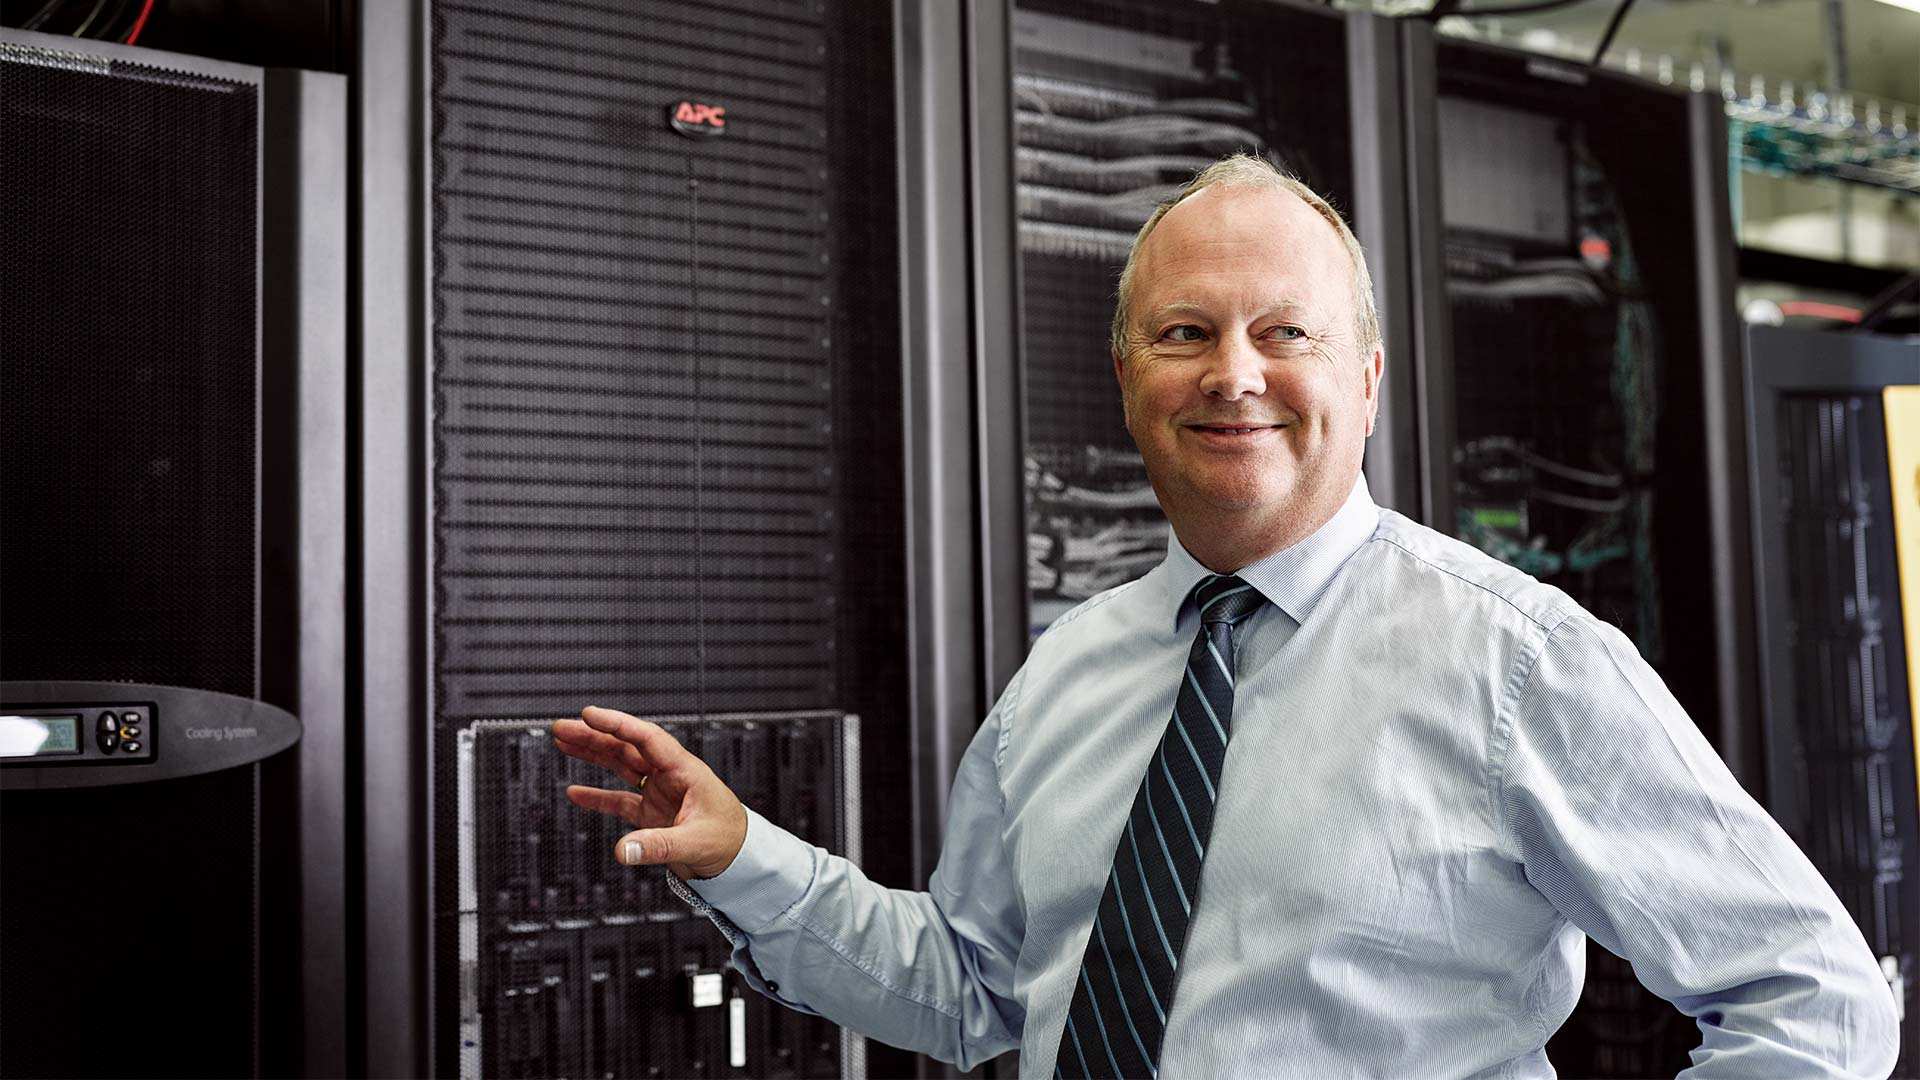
[737, 1033]
[708, 989]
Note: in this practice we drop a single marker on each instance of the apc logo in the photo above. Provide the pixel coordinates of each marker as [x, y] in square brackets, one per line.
[697, 120]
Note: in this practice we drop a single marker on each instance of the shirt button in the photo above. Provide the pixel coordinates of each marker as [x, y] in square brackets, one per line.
[773, 986]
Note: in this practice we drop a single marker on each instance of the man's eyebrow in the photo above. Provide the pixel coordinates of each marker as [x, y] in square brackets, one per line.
[1178, 307]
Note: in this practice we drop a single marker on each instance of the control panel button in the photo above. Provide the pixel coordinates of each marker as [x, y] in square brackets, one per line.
[131, 731]
[131, 718]
[108, 733]
[130, 747]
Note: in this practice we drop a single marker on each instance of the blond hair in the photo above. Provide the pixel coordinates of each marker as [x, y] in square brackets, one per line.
[1247, 171]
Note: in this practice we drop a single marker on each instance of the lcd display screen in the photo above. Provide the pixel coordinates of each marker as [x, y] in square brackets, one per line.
[39, 736]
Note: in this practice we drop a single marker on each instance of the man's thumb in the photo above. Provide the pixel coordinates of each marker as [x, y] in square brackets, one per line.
[652, 847]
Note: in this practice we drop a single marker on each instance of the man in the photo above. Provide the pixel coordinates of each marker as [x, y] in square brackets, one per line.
[1325, 794]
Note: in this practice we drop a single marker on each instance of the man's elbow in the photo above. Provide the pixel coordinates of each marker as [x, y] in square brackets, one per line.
[1881, 1037]
[1841, 1022]
[1869, 1018]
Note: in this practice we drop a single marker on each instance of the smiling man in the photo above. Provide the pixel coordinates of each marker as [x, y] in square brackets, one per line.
[1325, 794]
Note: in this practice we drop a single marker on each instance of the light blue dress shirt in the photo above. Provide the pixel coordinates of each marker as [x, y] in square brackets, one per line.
[1443, 776]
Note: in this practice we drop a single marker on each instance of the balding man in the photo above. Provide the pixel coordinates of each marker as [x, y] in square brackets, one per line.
[1325, 794]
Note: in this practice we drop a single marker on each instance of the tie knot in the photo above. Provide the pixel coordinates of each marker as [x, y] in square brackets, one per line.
[1223, 598]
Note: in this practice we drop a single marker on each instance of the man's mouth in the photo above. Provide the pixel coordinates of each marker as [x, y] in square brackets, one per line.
[1231, 429]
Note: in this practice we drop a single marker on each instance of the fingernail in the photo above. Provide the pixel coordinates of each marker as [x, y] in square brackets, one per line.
[630, 853]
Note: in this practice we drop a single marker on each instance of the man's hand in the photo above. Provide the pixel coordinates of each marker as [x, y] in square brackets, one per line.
[687, 819]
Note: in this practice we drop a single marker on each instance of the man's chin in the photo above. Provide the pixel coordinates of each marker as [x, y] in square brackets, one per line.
[1242, 497]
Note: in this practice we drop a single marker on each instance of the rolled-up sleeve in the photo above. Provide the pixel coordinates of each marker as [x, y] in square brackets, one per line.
[927, 971]
[1633, 828]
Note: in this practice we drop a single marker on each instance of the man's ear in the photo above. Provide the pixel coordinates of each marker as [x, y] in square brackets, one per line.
[1376, 368]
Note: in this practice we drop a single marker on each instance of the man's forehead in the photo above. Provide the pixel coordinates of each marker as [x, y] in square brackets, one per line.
[1257, 298]
[1256, 247]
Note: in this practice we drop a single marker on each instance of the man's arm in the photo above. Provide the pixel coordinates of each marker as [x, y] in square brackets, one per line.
[927, 971]
[1630, 824]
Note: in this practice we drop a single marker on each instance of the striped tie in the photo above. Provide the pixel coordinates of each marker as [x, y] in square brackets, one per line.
[1120, 1006]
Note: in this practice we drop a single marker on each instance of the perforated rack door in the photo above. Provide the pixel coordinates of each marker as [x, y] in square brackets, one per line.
[128, 380]
[634, 475]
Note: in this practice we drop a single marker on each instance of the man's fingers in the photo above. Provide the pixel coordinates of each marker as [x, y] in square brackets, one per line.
[602, 750]
[611, 760]
[625, 805]
[578, 733]
[660, 750]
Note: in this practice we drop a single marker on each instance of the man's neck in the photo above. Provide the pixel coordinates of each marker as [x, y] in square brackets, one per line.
[1226, 542]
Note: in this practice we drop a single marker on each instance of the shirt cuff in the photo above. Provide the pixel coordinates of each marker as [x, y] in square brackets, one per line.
[771, 873]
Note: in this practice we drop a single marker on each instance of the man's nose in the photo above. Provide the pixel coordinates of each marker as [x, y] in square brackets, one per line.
[1236, 368]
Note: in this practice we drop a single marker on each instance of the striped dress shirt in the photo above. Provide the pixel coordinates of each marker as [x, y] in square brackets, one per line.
[1444, 776]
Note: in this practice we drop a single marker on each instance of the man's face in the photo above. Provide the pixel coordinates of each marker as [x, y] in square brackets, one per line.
[1242, 377]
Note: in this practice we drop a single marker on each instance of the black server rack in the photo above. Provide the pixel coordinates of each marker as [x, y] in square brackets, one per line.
[1565, 350]
[1118, 104]
[662, 450]
[1836, 699]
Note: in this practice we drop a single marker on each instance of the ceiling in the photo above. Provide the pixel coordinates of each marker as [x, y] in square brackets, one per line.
[1780, 39]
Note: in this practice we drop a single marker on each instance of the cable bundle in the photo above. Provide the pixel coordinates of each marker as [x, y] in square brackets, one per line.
[1057, 168]
[121, 22]
[1095, 157]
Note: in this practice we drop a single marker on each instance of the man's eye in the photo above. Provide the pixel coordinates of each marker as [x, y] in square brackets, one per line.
[1288, 333]
[1183, 332]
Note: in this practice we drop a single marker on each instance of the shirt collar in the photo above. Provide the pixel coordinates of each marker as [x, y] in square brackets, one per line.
[1292, 579]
